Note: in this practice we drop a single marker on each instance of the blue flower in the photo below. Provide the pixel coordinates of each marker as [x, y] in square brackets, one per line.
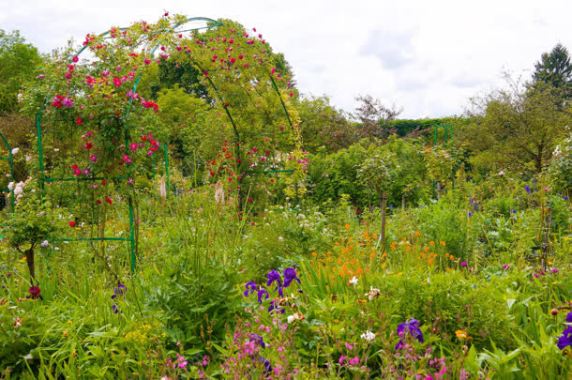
[527, 189]
[250, 288]
[289, 276]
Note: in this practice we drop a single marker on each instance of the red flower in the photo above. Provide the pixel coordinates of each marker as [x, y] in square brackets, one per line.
[34, 292]
[150, 104]
[72, 223]
[75, 59]
[78, 121]
[88, 145]
[108, 199]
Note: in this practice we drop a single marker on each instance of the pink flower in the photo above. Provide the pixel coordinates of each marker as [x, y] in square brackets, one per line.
[93, 158]
[354, 361]
[181, 361]
[132, 95]
[126, 159]
[349, 346]
[75, 59]
[342, 360]
[67, 102]
[89, 80]
[133, 147]
[116, 82]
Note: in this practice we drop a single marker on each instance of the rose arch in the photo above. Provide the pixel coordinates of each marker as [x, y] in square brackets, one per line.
[96, 122]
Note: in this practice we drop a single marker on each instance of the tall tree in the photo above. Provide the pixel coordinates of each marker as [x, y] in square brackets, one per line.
[18, 62]
[555, 70]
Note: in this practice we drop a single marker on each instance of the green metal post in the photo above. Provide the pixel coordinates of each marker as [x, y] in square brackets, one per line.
[132, 246]
[40, 145]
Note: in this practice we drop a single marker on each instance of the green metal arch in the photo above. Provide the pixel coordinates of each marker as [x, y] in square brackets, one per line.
[39, 132]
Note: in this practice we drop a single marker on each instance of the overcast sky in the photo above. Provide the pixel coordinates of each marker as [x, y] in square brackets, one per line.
[426, 56]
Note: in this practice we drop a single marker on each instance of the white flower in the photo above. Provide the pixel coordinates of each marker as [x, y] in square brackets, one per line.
[368, 336]
[501, 173]
[44, 244]
[19, 189]
[373, 293]
[15, 151]
[295, 317]
[11, 186]
[354, 281]
[280, 238]
[28, 357]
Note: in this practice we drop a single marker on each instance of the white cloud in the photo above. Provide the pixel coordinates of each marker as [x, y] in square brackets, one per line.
[427, 56]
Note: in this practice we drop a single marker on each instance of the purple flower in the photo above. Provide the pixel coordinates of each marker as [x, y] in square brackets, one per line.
[274, 276]
[250, 288]
[469, 214]
[119, 290]
[463, 264]
[289, 276]
[506, 267]
[565, 197]
[566, 338]
[569, 317]
[115, 308]
[267, 365]
[275, 307]
[257, 339]
[261, 293]
[527, 189]
[410, 327]
[67, 102]
[554, 270]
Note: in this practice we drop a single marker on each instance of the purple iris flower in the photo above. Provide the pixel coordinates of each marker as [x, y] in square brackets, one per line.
[261, 293]
[258, 340]
[566, 338]
[569, 317]
[250, 288]
[115, 308]
[275, 307]
[267, 365]
[274, 276]
[119, 290]
[411, 327]
[289, 276]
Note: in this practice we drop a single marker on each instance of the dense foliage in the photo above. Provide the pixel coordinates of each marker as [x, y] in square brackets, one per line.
[295, 240]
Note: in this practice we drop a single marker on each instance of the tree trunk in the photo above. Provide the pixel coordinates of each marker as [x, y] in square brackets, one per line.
[31, 265]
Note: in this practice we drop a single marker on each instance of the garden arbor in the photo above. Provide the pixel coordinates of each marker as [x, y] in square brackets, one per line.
[97, 124]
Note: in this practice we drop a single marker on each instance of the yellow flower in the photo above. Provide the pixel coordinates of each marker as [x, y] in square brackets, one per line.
[461, 334]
